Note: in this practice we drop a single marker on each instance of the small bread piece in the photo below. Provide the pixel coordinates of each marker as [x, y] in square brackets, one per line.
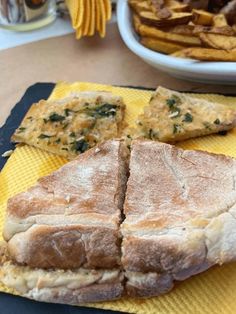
[71, 218]
[172, 116]
[218, 41]
[209, 54]
[180, 216]
[70, 126]
[161, 45]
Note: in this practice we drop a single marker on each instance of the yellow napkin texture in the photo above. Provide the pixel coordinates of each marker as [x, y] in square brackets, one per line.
[212, 292]
[89, 16]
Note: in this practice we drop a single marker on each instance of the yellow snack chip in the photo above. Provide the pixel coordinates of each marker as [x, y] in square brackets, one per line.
[97, 13]
[102, 31]
[92, 18]
[86, 18]
[108, 9]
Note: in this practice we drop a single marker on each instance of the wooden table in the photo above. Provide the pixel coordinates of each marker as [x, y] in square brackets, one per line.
[92, 59]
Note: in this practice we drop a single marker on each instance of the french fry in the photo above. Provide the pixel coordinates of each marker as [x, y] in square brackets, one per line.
[224, 30]
[218, 41]
[139, 6]
[202, 17]
[102, 19]
[176, 6]
[181, 29]
[92, 19]
[161, 45]
[207, 54]
[219, 20]
[149, 18]
[136, 22]
[147, 31]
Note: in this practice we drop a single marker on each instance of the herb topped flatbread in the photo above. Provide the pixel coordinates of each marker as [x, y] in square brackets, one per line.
[70, 126]
[172, 116]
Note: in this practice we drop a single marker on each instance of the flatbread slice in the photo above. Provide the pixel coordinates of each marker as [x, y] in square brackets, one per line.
[70, 126]
[172, 116]
[180, 216]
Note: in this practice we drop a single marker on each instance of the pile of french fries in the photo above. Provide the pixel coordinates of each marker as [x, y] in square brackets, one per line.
[181, 31]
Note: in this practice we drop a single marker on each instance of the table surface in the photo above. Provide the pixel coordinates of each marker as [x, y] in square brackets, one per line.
[93, 59]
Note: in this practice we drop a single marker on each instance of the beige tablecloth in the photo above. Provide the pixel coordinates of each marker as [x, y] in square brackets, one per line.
[92, 59]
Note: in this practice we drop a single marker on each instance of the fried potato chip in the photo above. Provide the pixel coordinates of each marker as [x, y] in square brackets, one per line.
[76, 10]
[78, 33]
[218, 41]
[92, 18]
[86, 18]
[102, 19]
[108, 9]
[149, 18]
[147, 31]
[97, 13]
[202, 17]
[207, 54]
[161, 45]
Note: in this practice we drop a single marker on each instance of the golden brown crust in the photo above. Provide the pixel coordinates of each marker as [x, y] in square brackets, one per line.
[66, 247]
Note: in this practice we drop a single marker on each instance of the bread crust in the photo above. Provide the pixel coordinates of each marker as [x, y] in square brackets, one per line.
[61, 286]
[71, 218]
[180, 215]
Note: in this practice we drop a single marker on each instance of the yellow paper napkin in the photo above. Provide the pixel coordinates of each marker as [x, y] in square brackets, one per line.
[212, 292]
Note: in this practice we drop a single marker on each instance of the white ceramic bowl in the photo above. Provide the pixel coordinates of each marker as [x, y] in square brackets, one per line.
[193, 70]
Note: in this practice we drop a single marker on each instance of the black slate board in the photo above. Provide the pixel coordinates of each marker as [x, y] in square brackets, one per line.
[10, 304]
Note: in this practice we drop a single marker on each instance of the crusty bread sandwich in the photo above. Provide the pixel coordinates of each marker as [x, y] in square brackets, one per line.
[180, 216]
[82, 234]
[72, 125]
[69, 223]
[171, 116]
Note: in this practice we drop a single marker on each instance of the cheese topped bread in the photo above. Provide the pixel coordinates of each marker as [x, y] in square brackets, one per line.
[70, 126]
[180, 216]
[172, 116]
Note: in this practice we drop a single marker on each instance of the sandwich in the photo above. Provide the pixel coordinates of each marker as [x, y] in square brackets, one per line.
[180, 216]
[86, 234]
[70, 126]
[172, 116]
[63, 237]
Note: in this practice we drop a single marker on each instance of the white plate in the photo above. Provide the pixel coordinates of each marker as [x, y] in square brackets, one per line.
[193, 70]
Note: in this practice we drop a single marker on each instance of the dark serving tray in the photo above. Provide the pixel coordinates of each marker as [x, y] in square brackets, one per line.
[10, 304]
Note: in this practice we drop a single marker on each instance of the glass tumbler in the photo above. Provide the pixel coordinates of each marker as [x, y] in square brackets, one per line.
[25, 15]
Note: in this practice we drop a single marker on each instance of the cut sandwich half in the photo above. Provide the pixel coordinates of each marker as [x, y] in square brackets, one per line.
[172, 116]
[69, 222]
[180, 216]
[72, 125]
